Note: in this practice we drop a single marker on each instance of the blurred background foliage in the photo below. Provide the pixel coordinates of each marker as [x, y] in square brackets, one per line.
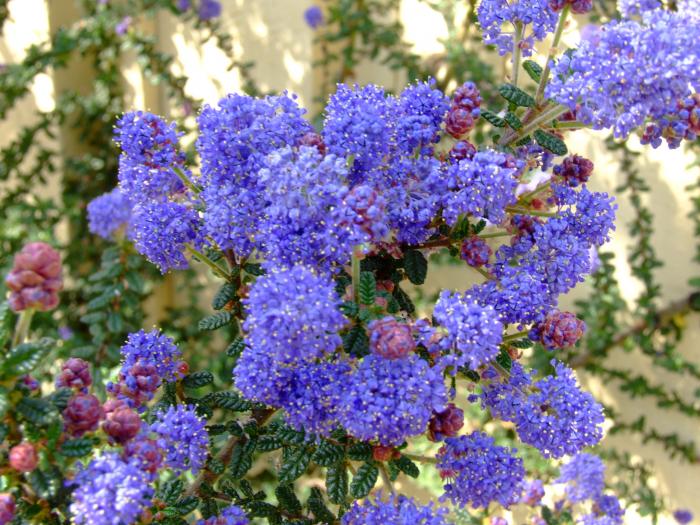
[112, 291]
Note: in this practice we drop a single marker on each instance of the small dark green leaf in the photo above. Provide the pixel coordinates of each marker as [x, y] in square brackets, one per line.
[254, 269]
[368, 288]
[479, 227]
[533, 69]
[364, 480]
[38, 411]
[360, 452]
[404, 300]
[215, 321]
[262, 509]
[268, 443]
[337, 483]
[229, 400]
[25, 357]
[513, 120]
[77, 448]
[494, 119]
[198, 379]
[170, 492]
[186, 505]
[294, 464]
[289, 436]
[356, 341]
[241, 460]
[504, 359]
[328, 454]
[416, 266]
[550, 142]
[225, 294]
[287, 499]
[318, 507]
[516, 95]
[236, 347]
[525, 342]
[407, 466]
[44, 483]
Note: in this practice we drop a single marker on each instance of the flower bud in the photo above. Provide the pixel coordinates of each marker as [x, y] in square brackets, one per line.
[146, 453]
[467, 96]
[462, 150]
[315, 140]
[390, 339]
[23, 457]
[575, 170]
[475, 251]
[75, 373]
[121, 423]
[35, 278]
[559, 330]
[83, 414]
[382, 453]
[7, 508]
[446, 423]
[459, 122]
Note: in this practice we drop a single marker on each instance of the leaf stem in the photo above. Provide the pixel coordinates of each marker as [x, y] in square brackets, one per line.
[494, 234]
[513, 337]
[206, 260]
[526, 211]
[24, 321]
[553, 50]
[355, 272]
[386, 480]
[186, 181]
[421, 459]
[517, 52]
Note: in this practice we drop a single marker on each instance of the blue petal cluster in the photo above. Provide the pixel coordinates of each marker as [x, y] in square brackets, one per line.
[108, 212]
[153, 348]
[480, 472]
[150, 153]
[584, 476]
[388, 400]
[537, 18]
[399, 510]
[630, 8]
[163, 229]
[606, 511]
[420, 113]
[481, 186]
[474, 331]
[630, 72]
[109, 491]
[293, 315]
[231, 515]
[182, 434]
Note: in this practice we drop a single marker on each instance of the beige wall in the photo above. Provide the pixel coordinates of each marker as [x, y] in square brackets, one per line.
[272, 33]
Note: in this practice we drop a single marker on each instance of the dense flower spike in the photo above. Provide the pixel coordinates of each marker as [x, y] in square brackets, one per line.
[389, 400]
[399, 510]
[293, 315]
[479, 472]
[559, 330]
[420, 112]
[575, 170]
[535, 15]
[231, 515]
[183, 436]
[473, 331]
[7, 508]
[390, 339]
[75, 373]
[163, 230]
[606, 511]
[82, 414]
[445, 423]
[584, 476]
[35, 278]
[150, 154]
[629, 72]
[23, 457]
[109, 491]
[108, 213]
[146, 453]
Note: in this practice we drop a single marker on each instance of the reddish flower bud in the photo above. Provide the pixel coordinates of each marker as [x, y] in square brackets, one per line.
[29, 382]
[382, 453]
[559, 330]
[459, 122]
[83, 414]
[462, 150]
[313, 139]
[390, 339]
[75, 373]
[7, 508]
[475, 251]
[23, 457]
[35, 278]
[121, 424]
[467, 96]
[575, 170]
[146, 452]
[446, 423]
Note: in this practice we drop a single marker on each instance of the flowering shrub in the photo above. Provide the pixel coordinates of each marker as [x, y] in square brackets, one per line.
[317, 237]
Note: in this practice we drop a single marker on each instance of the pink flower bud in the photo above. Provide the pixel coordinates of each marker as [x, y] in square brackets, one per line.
[446, 423]
[35, 278]
[122, 423]
[7, 508]
[23, 457]
[83, 414]
[390, 339]
[75, 373]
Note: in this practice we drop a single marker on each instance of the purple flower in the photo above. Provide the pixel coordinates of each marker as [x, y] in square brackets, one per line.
[182, 434]
[390, 339]
[231, 515]
[123, 26]
[479, 472]
[584, 476]
[630, 8]
[108, 212]
[559, 330]
[475, 251]
[209, 9]
[389, 400]
[184, 5]
[314, 17]
[683, 516]
[399, 510]
[473, 332]
[606, 511]
[75, 373]
[109, 491]
[420, 112]
[533, 493]
[7, 508]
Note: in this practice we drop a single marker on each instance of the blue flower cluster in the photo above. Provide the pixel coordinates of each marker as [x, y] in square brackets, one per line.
[109, 491]
[632, 72]
[182, 436]
[109, 212]
[480, 472]
[584, 476]
[399, 510]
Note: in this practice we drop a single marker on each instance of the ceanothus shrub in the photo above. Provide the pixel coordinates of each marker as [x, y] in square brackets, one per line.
[315, 235]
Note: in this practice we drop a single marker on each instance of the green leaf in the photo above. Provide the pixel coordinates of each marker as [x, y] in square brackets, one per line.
[494, 119]
[4, 430]
[215, 321]
[4, 401]
[25, 357]
[513, 120]
[318, 507]
[229, 400]
[287, 499]
[254, 269]
[367, 288]
[416, 266]
[225, 294]
[186, 505]
[337, 483]
[289, 436]
[241, 460]
[170, 492]
[294, 464]
[516, 95]
[5, 325]
[533, 69]
[198, 379]
[37, 411]
[364, 480]
[328, 454]
[268, 443]
[525, 342]
[479, 227]
[262, 509]
[356, 341]
[504, 359]
[236, 347]
[407, 466]
[550, 142]
[44, 483]
[403, 299]
[360, 451]
[77, 448]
